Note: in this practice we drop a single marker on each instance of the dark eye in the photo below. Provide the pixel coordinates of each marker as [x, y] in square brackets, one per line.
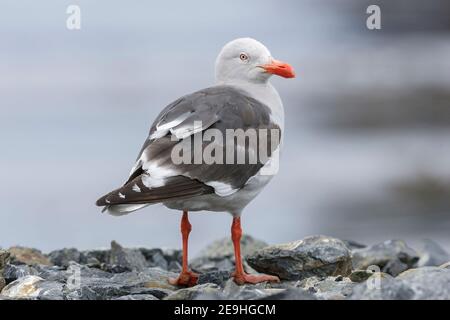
[243, 57]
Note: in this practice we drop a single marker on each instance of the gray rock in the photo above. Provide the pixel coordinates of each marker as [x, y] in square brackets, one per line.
[220, 254]
[381, 286]
[216, 277]
[129, 259]
[352, 245]
[329, 288]
[312, 256]
[34, 288]
[102, 287]
[194, 292]
[64, 256]
[290, 294]
[432, 254]
[174, 266]
[392, 257]
[173, 255]
[137, 297]
[13, 272]
[155, 258]
[428, 283]
[96, 257]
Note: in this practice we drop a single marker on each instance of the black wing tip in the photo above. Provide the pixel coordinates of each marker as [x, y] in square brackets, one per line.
[102, 201]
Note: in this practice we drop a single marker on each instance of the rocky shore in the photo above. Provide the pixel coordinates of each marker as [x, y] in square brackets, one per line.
[314, 268]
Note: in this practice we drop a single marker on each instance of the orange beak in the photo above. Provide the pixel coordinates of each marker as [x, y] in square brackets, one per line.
[279, 68]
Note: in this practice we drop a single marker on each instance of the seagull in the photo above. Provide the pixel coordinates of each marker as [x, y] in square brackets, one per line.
[172, 167]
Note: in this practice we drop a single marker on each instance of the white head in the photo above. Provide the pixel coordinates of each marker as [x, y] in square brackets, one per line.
[248, 60]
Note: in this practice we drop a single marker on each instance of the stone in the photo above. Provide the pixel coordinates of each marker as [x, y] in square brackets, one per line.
[129, 259]
[432, 254]
[194, 292]
[103, 286]
[392, 256]
[382, 286]
[96, 257]
[352, 245]
[4, 259]
[360, 275]
[219, 255]
[312, 256]
[155, 258]
[328, 288]
[13, 272]
[289, 294]
[428, 283]
[216, 277]
[34, 288]
[173, 255]
[64, 256]
[28, 256]
[137, 297]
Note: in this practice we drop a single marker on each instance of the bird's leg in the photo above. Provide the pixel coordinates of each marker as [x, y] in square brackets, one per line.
[240, 277]
[186, 277]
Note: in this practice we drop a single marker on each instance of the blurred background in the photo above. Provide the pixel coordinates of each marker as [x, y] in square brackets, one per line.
[367, 143]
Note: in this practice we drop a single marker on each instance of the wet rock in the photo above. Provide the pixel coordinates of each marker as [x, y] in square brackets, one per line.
[194, 292]
[329, 288]
[432, 254]
[392, 257]
[312, 256]
[64, 256]
[382, 286]
[28, 256]
[52, 273]
[445, 265]
[13, 272]
[34, 288]
[428, 283]
[128, 259]
[137, 297]
[220, 254]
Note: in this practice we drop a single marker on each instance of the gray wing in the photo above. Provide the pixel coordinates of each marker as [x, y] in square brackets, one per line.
[156, 178]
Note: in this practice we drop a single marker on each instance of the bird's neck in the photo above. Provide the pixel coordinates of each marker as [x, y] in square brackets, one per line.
[265, 93]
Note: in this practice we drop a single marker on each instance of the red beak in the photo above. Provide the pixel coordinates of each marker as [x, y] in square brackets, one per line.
[280, 68]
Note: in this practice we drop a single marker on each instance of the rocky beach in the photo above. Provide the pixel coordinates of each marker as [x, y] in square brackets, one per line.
[313, 268]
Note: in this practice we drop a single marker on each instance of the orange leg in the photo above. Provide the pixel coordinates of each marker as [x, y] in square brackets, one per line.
[186, 277]
[240, 277]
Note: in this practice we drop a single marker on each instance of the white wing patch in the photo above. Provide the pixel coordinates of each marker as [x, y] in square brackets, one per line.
[136, 188]
[163, 129]
[221, 189]
[151, 182]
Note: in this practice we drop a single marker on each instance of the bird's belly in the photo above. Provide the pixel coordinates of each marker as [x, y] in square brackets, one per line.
[233, 204]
